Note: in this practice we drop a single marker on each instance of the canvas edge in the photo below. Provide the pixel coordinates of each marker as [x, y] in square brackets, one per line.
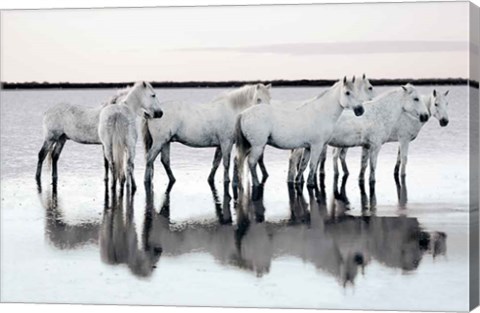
[474, 145]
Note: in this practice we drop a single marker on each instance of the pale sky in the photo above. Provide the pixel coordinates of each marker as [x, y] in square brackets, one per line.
[398, 40]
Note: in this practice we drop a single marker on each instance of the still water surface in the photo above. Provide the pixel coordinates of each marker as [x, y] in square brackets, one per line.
[289, 248]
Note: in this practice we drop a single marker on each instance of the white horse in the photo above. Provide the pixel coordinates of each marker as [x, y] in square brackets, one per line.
[374, 128]
[307, 126]
[199, 126]
[117, 131]
[406, 130]
[66, 121]
[365, 92]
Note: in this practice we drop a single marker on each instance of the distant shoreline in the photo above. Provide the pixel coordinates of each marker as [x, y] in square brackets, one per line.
[228, 84]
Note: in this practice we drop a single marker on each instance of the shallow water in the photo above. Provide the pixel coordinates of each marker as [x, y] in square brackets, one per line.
[285, 249]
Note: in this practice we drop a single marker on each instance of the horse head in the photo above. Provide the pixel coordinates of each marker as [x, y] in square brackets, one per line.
[439, 107]
[262, 94]
[414, 104]
[364, 88]
[349, 98]
[147, 104]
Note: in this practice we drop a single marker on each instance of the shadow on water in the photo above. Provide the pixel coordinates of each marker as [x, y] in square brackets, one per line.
[333, 242]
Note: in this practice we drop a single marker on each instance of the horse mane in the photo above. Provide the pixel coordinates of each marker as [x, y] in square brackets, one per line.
[323, 93]
[118, 97]
[238, 97]
[385, 94]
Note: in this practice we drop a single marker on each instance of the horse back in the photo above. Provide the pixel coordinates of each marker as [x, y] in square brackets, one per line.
[75, 122]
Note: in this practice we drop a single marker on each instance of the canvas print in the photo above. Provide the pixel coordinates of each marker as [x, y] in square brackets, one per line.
[284, 156]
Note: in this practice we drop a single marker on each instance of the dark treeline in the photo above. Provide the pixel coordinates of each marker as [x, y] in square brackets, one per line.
[226, 84]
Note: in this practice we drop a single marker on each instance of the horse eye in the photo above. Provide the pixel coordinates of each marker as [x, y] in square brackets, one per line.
[436, 104]
[259, 100]
[153, 96]
[370, 88]
[415, 99]
[348, 93]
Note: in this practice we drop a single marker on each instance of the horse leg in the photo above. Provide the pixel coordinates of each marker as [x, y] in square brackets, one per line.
[303, 165]
[263, 168]
[397, 165]
[315, 152]
[295, 156]
[111, 164]
[150, 159]
[323, 157]
[165, 158]
[215, 164]
[105, 165]
[343, 156]
[226, 152]
[235, 173]
[363, 163]
[55, 155]
[131, 186]
[373, 164]
[336, 153]
[253, 157]
[404, 157]
[42, 154]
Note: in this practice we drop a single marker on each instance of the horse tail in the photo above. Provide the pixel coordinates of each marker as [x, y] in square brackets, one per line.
[147, 136]
[243, 147]
[118, 146]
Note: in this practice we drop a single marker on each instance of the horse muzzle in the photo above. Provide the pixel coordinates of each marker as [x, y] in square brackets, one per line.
[157, 114]
[359, 110]
[443, 122]
[423, 118]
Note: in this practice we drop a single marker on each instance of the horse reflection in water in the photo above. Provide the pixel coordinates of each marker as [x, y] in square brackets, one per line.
[58, 231]
[119, 243]
[333, 242]
[116, 233]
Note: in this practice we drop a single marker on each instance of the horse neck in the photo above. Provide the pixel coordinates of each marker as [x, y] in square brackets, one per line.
[329, 103]
[132, 102]
[392, 108]
[428, 102]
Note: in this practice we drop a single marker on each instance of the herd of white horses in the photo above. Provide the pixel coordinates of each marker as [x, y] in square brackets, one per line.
[348, 114]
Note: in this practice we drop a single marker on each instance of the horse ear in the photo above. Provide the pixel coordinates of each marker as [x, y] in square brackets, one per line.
[434, 93]
[353, 79]
[345, 80]
[364, 77]
[144, 84]
[269, 86]
[446, 92]
[257, 86]
[404, 88]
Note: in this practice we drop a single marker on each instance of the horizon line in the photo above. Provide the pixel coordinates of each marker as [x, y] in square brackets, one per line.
[235, 83]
